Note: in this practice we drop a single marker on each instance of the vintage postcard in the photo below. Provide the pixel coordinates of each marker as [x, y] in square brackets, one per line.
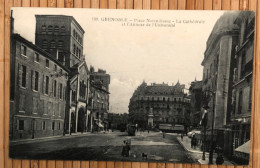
[131, 85]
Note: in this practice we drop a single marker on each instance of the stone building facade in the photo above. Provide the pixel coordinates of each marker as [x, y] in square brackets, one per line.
[99, 99]
[38, 91]
[60, 34]
[155, 104]
[227, 79]
[195, 92]
[240, 120]
[62, 37]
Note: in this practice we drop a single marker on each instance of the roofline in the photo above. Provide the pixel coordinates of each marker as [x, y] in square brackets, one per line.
[77, 23]
[35, 47]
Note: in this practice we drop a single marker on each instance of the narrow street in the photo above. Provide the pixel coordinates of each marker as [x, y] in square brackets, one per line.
[106, 146]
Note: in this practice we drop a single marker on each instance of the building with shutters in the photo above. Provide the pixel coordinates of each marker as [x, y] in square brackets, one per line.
[156, 104]
[99, 99]
[38, 91]
[240, 119]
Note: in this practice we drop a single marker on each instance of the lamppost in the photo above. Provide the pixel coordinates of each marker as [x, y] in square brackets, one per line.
[204, 124]
[212, 127]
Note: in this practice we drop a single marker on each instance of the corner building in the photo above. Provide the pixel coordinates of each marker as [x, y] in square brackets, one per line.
[38, 91]
[156, 104]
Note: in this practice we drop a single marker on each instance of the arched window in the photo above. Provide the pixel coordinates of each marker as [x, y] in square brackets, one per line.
[56, 30]
[44, 44]
[50, 29]
[62, 30]
[52, 44]
[60, 44]
[43, 29]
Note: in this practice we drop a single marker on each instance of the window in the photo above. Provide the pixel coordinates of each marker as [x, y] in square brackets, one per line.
[47, 63]
[56, 30]
[53, 125]
[59, 126]
[52, 44]
[60, 44]
[55, 87]
[243, 64]
[50, 29]
[36, 57]
[20, 124]
[23, 76]
[46, 85]
[43, 29]
[240, 101]
[79, 53]
[60, 91]
[36, 81]
[24, 50]
[74, 33]
[63, 30]
[43, 125]
[44, 44]
[250, 98]
[55, 67]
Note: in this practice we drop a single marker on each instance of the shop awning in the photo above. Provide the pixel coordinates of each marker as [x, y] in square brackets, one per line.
[245, 148]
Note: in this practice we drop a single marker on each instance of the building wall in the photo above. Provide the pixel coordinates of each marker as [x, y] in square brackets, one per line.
[35, 110]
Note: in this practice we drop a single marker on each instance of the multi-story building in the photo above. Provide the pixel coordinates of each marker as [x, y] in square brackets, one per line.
[38, 91]
[154, 104]
[217, 69]
[242, 80]
[195, 92]
[99, 99]
[227, 79]
[62, 37]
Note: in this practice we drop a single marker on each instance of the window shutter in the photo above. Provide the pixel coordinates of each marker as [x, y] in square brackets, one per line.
[58, 90]
[22, 49]
[33, 79]
[19, 75]
[27, 77]
[43, 85]
[52, 88]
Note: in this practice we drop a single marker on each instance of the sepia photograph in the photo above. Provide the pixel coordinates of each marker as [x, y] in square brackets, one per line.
[131, 85]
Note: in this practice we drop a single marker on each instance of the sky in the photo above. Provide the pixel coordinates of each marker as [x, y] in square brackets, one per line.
[133, 54]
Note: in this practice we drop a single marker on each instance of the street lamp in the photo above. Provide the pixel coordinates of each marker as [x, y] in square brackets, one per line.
[204, 124]
[212, 127]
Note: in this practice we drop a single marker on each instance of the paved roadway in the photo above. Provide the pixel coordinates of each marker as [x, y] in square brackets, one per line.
[106, 146]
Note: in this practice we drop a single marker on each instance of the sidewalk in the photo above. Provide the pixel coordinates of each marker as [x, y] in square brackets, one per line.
[196, 154]
[44, 139]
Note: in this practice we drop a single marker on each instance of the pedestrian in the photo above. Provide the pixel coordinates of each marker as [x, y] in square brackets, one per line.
[181, 137]
[220, 159]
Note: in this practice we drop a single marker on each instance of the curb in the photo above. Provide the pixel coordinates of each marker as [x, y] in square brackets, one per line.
[195, 160]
